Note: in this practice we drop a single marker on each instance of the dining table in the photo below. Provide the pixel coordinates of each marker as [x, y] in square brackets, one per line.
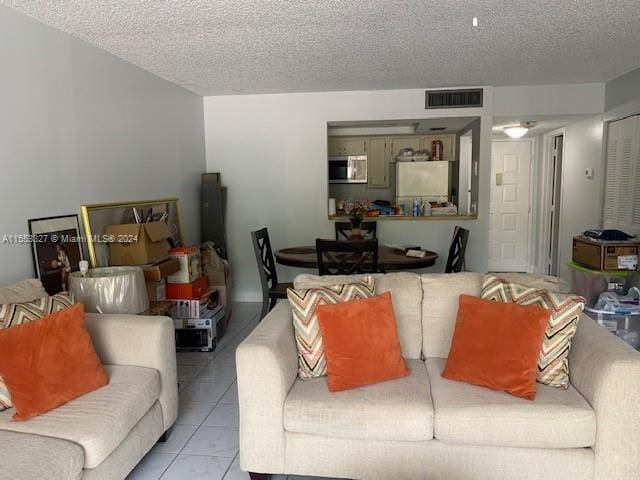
[389, 258]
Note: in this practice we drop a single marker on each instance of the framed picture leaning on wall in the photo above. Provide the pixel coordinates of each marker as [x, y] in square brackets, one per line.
[97, 217]
[57, 249]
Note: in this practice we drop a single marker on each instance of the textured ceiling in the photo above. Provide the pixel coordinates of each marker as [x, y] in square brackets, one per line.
[259, 46]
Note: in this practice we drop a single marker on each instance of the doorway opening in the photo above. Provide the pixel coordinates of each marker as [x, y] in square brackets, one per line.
[551, 202]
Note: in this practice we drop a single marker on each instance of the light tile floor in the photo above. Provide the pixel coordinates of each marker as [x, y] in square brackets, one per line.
[204, 441]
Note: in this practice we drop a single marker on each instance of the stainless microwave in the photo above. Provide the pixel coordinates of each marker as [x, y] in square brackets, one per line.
[348, 169]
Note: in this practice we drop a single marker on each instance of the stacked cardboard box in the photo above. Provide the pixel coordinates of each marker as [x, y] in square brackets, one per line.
[156, 275]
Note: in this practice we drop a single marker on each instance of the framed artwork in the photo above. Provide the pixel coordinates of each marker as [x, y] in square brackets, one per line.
[96, 218]
[56, 246]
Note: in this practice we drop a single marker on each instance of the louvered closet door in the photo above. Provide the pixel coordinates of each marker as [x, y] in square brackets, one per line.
[622, 184]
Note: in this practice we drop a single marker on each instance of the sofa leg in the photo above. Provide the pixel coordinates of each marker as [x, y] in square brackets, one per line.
[165, 436]
[259, 476]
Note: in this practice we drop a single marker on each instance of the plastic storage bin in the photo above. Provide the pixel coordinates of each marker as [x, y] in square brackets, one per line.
[624, 326]
[591, 283]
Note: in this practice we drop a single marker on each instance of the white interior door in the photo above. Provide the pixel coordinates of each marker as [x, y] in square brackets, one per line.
[509, 206]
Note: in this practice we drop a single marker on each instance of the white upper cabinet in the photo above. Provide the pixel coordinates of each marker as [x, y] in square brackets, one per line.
[398, 143]
[347, 146]
[378, 162]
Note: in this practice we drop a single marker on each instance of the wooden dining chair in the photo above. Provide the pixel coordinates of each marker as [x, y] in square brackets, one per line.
[455, 261]
[337, 257]
[271, 289]
[369, 230]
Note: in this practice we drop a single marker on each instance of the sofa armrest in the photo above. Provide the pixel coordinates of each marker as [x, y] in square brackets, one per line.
[267, 366]
[142, 341]
[606, 371]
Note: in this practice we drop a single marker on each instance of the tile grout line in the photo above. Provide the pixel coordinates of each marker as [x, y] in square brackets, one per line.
[229, 467]
[249, 324]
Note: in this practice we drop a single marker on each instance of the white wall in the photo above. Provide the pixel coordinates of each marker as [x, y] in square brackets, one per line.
[574, 99]
[623, 90]
[581, 197]
[78, 125]
[271, 150]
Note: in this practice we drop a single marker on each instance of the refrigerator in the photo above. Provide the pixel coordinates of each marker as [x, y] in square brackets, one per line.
[429, 181]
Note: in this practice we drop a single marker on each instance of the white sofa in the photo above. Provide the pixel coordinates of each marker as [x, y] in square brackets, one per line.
[427, 427]
[105, 433]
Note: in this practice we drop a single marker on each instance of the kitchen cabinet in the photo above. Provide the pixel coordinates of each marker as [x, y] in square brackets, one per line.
[448, 145]
[378, 162]
[398, 143]
[347, 146]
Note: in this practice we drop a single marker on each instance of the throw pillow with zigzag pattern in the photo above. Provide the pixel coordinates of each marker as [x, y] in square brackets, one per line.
[565, 310]
[311, 359]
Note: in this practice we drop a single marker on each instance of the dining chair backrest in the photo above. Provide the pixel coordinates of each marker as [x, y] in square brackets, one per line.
[455, 261]
[337, 257]
[369, 230]
[264, 257]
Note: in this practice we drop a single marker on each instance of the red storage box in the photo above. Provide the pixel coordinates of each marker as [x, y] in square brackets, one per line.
[187, 291]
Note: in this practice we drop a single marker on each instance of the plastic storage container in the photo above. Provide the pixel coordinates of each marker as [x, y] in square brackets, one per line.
[591, 283]
[624, 326]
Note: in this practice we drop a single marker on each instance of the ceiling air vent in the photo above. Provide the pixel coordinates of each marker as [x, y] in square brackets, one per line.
[454, 98]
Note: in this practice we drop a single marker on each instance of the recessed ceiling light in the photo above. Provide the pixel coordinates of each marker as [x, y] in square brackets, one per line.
[475, 21]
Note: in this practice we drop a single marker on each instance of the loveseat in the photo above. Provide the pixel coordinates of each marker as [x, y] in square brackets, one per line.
[105, 433]
[424, 426]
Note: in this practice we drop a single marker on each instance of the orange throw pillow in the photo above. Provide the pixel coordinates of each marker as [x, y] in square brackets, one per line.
[497, 345]
[361, 342]
[48, 362]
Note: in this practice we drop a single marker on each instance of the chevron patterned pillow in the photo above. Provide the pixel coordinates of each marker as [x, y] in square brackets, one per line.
[311, 360]
[565, 309]
[17, 313]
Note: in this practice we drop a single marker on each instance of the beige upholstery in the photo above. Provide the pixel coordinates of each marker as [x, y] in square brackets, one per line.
[431, 460]
[34, 457]
[268, 362]
[395, 410]
[406, 294]
[471, 415]
[140, 440]
[589, 432]
[107, 431]
[144, 342]
[606, 371]
[23, 291]
[440, 307]
[466, 462]
[100, 420]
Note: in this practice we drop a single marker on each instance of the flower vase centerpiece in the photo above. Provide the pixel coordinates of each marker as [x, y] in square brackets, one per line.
[356, 209]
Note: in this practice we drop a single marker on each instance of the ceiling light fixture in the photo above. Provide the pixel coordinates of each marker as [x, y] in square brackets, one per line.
[475, 21]
[516, 132]
[520, 130]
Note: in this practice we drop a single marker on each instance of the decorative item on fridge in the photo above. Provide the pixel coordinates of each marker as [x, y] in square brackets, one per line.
[436, 150]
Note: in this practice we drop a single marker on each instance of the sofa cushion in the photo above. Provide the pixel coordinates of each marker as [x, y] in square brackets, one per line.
[471, 415]
[564, 313]
[33, 457]
[406, 293]
[12, 314]
[312, 361]
[440, 308]
[99, 420]
[399, 409]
